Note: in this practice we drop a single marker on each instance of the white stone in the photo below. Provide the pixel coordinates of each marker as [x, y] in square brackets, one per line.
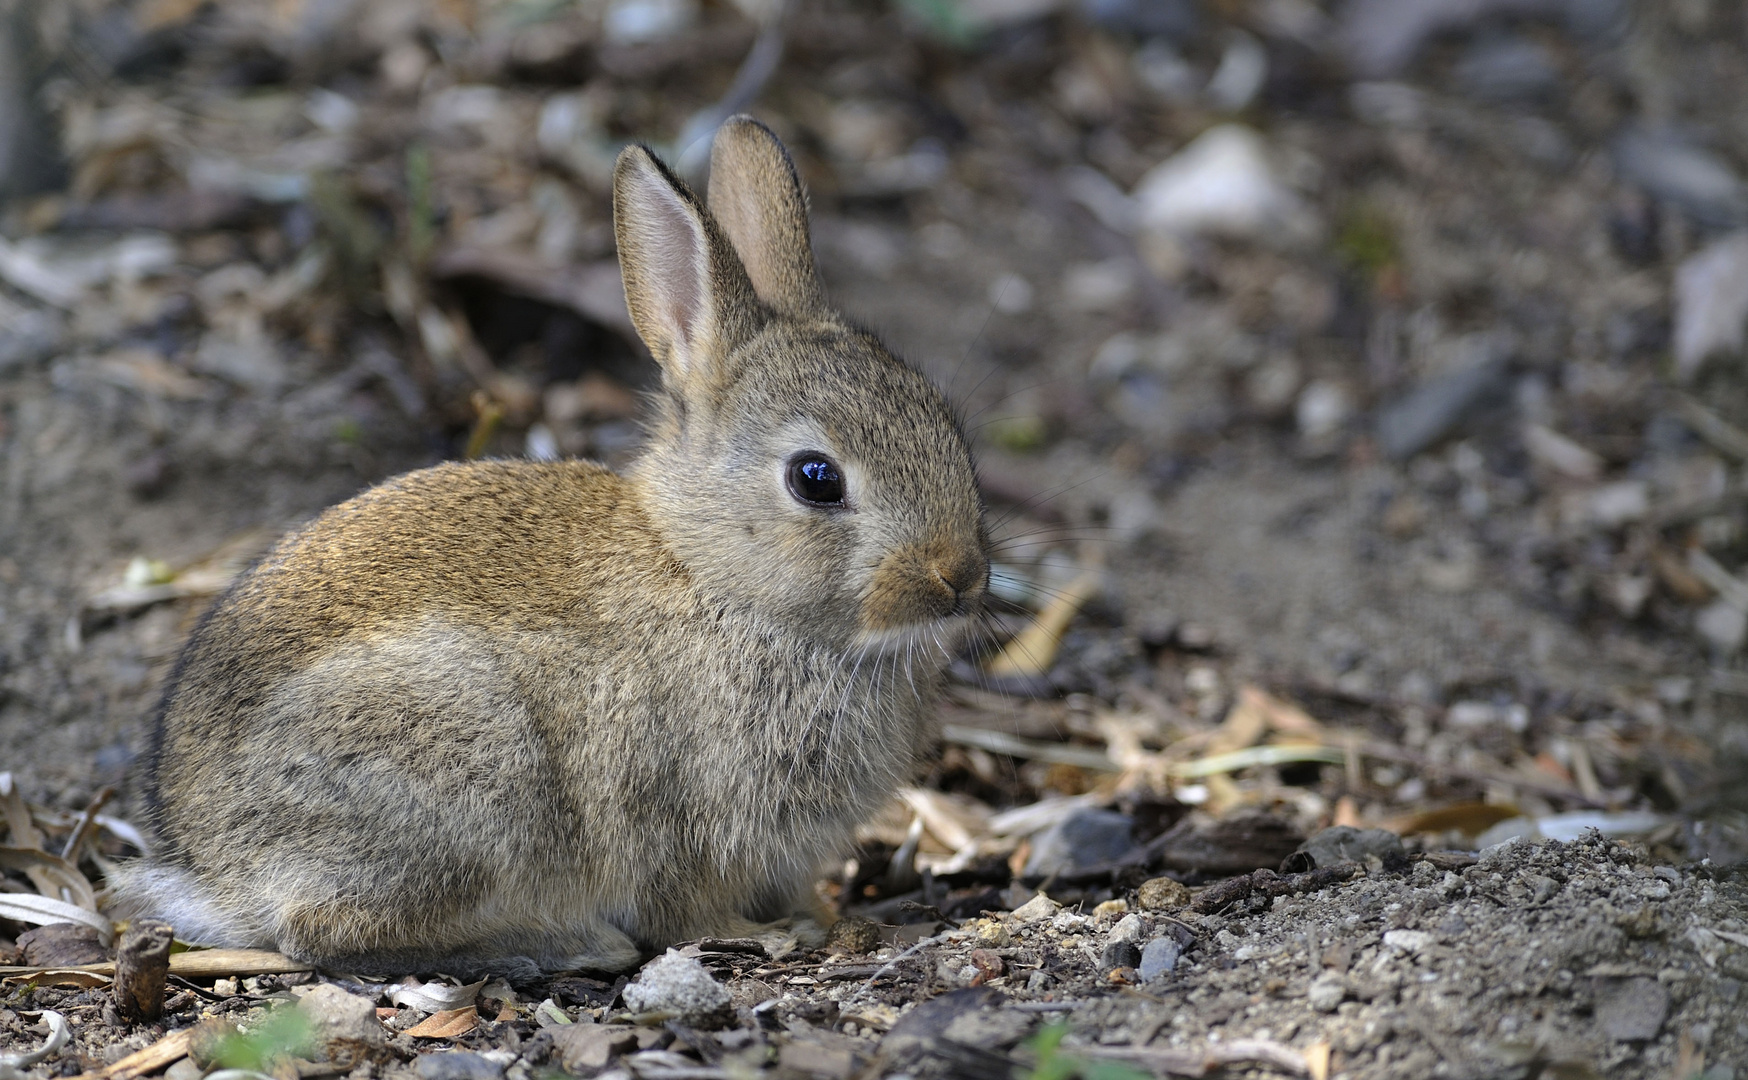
[1038, 907]
[1411, 942]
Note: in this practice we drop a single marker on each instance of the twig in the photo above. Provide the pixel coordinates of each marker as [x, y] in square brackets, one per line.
[1386, 752]
[1708, 425]
[692, 147]
[1000, 742]
[194, 964]
[85, 826]
[1730, 588]
[894, 962]
[1254, 756]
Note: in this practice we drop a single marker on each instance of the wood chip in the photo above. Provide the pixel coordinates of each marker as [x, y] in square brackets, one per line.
[448, 1024]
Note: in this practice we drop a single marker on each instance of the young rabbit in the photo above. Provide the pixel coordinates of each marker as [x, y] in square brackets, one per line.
[517, 716]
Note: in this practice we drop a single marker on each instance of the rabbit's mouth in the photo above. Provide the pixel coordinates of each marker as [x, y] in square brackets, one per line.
[935, 641]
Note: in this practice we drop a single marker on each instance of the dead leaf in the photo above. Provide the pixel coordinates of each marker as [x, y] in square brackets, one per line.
[1252, 757]
[24, 831]
[43, 910]
[1346, 812]
[435, 997]
[59, 977]
[954, 820]
[59, 1036]
[1677, 578]
[1245, 723]
[1257, 711]
[52, 875]
[1471, 818]
[1032, 652]
[448, 1024]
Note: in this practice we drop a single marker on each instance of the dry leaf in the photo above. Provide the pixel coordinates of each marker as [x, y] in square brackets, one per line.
[954, 820]
[448, 1024]
[1254, 756]
[147, 372]
[435, 997]
[1257, 711]
[52, 875]
[24, 831]
[59, 977]
[43, 910]
[1346, 812]
[1471, 818]
[1032, 652]
[58, 1037]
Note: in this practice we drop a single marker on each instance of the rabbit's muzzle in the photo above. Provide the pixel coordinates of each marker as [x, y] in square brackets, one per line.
[923, 583]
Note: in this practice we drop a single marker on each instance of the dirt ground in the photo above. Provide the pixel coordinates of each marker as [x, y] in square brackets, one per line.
[1415, 432]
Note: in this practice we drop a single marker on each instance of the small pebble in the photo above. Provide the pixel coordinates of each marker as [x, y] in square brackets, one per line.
[679, 984]
[1344, 843]
[1159, 958]
[1411, 942]
[1111, 909]
[853, 934]
[458, 1065]
[1162, 894]
[1631, 1010]
[1119, 954]
[1085, 838]
[1128, 928]
[1038, 907]
[1326, 991]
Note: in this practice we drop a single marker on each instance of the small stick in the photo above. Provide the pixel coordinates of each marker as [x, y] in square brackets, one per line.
[86, 825]
[142, 961]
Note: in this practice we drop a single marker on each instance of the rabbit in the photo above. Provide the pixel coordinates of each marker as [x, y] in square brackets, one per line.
[519, 717]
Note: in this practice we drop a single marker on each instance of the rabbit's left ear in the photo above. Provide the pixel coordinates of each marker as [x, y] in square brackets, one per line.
[756, 196]
[687, 292]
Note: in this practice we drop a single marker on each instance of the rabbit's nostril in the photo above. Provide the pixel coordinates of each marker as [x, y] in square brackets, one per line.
[946, 584]
[959, 576]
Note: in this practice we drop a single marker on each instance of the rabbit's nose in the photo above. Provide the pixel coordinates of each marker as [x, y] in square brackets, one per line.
[962, 575]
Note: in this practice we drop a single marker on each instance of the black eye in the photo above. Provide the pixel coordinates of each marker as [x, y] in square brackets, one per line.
[815, 480]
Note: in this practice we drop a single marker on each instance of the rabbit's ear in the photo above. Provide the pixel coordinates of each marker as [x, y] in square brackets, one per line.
[756, 195]
[686, 289]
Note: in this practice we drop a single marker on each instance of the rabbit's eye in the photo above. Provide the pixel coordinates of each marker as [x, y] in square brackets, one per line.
[815, 480]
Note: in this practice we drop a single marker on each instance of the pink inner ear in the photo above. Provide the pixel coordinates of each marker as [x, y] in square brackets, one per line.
[677, 247]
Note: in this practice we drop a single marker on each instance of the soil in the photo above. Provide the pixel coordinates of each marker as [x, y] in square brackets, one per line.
[1466, 601]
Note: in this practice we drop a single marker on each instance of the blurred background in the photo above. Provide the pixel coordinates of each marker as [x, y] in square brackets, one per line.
[1357, 385]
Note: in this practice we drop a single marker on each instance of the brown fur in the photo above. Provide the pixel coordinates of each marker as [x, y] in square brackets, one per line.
[510, 716]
